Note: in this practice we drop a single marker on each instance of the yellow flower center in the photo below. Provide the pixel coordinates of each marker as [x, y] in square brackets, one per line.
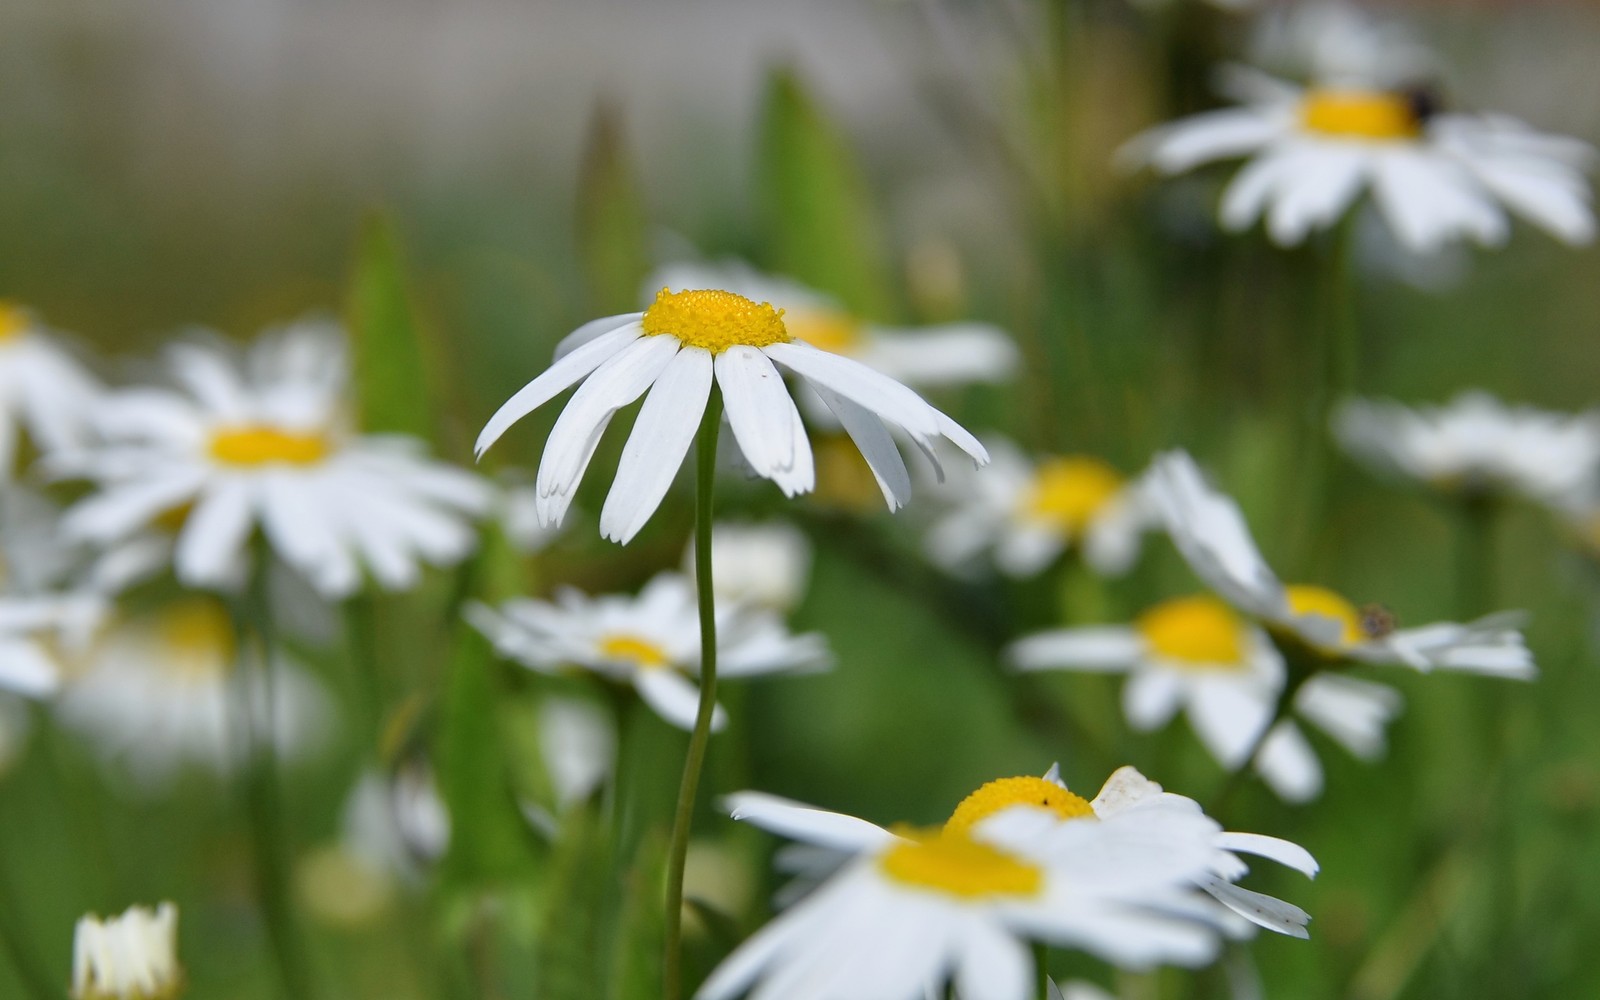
[1195, 632]
[1360, 114]
[1007, 792]
[637, 650]
[714, 320]
[826, 329]
[13, 320]
[258, 444]
[1068, 492]
[955, 864]
[1305, 599]
[197, 639]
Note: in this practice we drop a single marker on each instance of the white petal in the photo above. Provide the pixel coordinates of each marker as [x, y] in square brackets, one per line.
[593, 330]
[210, 548]
[1151, 698]
[804, 823]
[1203, 138]
[1095, 647]
[662, 433]
[1228, 715]
[674, 698]
[1262, 910]
[1283, 852]
[26, 670]
[877, 448]
[856, 382]
[1322, 188]
[1289, 765]
[765, 420]
[564, 373]
[993, 965]
[302, 531]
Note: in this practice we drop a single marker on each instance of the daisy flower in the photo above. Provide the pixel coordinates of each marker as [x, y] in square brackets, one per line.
[1210, 532]
[50, 604]
[265, 441]
[129, 957]
[160, 692]
[1198, 654]
[1025, 514]
[675, 350]
[910, 908]
[1475, 446]
[1435, 177]
[765, 564]
[947, 354]
[43, 389]
[651, 642]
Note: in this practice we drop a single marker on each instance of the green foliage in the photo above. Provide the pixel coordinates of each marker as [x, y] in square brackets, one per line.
[613, 224]
[392, 365]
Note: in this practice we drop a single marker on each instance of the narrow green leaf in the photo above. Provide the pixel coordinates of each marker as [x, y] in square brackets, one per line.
[613, 230]
[641, 926]
[391, 364]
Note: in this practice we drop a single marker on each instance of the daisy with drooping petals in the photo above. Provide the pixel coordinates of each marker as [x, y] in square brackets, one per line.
[651, 642]
[161, 692]
[921, 357]
[265, 441]
[133, 956]
[675, 350]
[765, 564]
[44, 390]
[1198, 654]
[1026, 514]
[912, 909]
[1210, 532]
[1476, 446]
[1435, 177]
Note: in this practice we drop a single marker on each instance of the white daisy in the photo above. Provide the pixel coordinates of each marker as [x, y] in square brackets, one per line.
[265, 441]
[766, 564]
[1210, 531]
[43, 389]
[160, 692]
[946, 354]
[1476, 445]
[1197, 654]
[133, 956]
[1434, 176]
[50, 607]
[651, 642]
[912, 909]
[1025, 514]
[674, 350]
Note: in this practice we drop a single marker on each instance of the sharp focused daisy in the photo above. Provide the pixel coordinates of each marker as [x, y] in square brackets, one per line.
[129, 957]
[651, 642]
[1209, 530]
[160, 692]
[922, 357]
[913, 908]
[766, 564]
[1198, 654]
[1435, 177]
[43, 389]
[1476, 446]
[674, 350]
[264, 442]
[1025, 514]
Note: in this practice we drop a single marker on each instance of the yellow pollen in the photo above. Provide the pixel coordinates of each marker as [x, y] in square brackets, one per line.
[13, 320]
[1007, 792]
[715, 320]
[197, 638]
[640, 652]
[1360, 114]
[826, 329]
[1068, 492]
[1305, 599]
[1194, 632]
[258, 444]
[955, 864]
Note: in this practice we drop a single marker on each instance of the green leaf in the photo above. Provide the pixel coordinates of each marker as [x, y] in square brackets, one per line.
[613, 230]
[641, 925]
[569, 962]
[392, 371]
[817, 218]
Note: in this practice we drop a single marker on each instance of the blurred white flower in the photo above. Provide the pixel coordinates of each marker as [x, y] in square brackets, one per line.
[1476, 445]
[50, 606]
[1435, 177]
[913, 908]
[1337, 43]
[161, 691]
[944, 354]
[766, 564]
[1197, 654]
[675, 349]
[651, 642]
[43, 389]
[129, 957]
[1210, 532]
[578, 741]
[518, 510]
[264, 440]
[1025, 514]
[396, 823]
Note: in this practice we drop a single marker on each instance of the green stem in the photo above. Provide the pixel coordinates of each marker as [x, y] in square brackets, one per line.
[361, 633]
[678, 849]
[1475, 557]
[258, 731]
[1041, 971]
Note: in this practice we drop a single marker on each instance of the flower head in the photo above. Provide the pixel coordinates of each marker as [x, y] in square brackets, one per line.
[651, 642]
[674, 351]
[44, 390]
[129, 957]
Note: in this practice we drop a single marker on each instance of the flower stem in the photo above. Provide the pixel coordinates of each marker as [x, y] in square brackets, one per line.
[1041, 971]
[678, 849]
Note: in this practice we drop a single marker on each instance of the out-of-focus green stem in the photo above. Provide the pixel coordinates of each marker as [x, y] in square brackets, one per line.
[678, 848]
[1041, 971]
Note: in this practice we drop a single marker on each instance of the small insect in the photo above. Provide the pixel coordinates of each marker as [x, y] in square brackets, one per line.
[1377, 621]
[1424, 100]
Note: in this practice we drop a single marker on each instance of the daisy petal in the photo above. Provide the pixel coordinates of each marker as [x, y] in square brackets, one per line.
[665, 428]
[876, 446]
[565, 372]
[808, 824]
[763, 417]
